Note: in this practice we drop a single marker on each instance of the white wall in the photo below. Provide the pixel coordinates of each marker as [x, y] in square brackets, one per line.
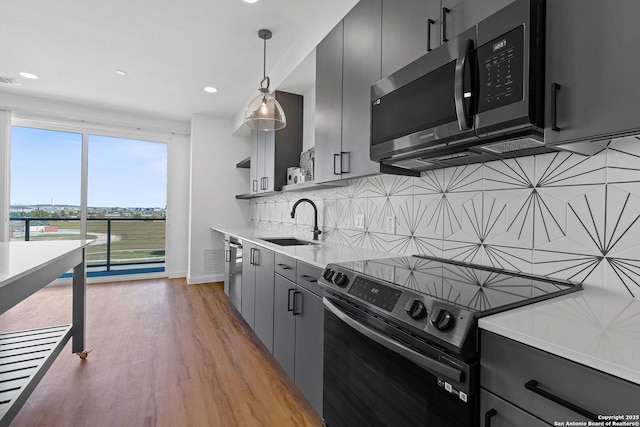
[214, 182]
[5, 127]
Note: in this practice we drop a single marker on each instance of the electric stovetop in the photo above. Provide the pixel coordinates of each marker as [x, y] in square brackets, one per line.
[483, 290]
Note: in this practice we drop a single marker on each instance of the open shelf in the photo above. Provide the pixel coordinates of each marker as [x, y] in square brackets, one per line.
[26, 356]
[244, 164]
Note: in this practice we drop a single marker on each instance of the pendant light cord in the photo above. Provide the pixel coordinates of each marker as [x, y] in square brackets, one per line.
[264, 60]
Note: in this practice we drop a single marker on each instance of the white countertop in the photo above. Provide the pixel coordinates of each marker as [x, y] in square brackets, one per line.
[17, 259]
[592, 327]
[319, 255]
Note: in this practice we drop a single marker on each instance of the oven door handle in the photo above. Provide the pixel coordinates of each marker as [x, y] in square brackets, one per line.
[417, 358]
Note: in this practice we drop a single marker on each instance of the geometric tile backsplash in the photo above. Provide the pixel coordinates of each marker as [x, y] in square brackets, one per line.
[558, 214]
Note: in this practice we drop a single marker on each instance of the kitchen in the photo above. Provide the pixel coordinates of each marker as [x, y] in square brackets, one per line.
[569, 216]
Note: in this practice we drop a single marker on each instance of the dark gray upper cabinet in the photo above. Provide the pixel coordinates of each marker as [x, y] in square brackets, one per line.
[361, 69]
[591, 56]
[407, 28]
[275, 151]
[348, 62]
[464, 14]
[328, 120]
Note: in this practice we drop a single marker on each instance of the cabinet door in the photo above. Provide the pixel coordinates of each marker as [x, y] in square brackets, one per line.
[309, 345]
[361, 69]
[284, 324]
[248, 284]
[464, 14]
[269, 160]
[264, 260]
[255, 166]
[406, 31]
[590, 53]
[496, 412]
[328, 131]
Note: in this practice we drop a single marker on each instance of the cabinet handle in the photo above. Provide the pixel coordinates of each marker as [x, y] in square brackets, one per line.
[309, 278]
[430, 22]
[256, 259]
[255, 185]
[296, 313]
[344, 154]
[445, 12]
[251, 256]
[284, 266]
[227, 255]
[533, 386]
[266, 182]
[488, 415]
[289, 305]
[334, 165]
[555, 87]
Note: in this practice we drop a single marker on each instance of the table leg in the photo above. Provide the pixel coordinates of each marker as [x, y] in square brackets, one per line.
[79, 308]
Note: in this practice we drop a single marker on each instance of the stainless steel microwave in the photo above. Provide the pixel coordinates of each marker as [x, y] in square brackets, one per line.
[476, 98]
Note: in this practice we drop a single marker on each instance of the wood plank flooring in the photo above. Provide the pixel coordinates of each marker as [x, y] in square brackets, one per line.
[164, 353]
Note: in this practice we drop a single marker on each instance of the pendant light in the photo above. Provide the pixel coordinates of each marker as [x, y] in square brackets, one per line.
[264, 111]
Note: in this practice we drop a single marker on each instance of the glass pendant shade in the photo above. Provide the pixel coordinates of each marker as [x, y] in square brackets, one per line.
[265, 113]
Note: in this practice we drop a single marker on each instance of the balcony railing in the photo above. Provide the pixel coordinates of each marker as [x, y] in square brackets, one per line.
[123, 245]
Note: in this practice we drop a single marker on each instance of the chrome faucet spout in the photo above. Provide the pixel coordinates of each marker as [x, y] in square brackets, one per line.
[316, 230]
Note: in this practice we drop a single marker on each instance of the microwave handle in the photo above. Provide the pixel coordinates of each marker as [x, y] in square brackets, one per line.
[464, 121]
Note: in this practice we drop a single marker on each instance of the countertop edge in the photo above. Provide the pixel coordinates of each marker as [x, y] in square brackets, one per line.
[248, 234]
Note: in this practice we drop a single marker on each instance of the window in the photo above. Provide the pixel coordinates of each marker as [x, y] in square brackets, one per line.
[122, 205]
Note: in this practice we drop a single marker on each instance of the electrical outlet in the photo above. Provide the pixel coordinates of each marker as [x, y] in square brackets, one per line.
[391, 224]
[359, 222]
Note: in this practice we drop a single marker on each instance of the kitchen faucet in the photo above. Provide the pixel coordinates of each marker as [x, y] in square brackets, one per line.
[316, 230]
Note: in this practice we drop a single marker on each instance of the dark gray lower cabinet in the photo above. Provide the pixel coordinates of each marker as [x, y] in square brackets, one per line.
[284, 324]
[520, 382]
[309, 347]
[298, 322]
[497, 412]
[257, 292]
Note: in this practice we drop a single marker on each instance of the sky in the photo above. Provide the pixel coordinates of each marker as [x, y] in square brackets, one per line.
[46, 166]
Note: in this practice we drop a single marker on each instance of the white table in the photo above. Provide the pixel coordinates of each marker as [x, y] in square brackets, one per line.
[25, 356]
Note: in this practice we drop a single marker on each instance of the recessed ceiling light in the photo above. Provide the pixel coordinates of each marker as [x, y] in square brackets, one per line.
[121, 73]
[28, 75]
[250, 1]
[210, 89]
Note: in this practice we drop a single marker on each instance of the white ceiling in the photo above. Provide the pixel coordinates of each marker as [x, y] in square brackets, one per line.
[170, 50]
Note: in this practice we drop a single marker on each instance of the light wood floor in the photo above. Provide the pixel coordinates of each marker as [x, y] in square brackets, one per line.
[164, 353]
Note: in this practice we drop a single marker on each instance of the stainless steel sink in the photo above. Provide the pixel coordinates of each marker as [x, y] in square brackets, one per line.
[286, 241]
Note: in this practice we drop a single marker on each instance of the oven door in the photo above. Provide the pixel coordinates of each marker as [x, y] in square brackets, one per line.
[372, 379]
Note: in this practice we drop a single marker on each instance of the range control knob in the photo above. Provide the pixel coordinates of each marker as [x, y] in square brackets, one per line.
[442, 319]
[328, 274]
[341, 280]
[416, 309]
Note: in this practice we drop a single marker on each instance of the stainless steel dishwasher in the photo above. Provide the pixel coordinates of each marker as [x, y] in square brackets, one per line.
[233, 270]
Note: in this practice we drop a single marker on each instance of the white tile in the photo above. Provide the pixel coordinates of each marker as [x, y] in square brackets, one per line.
[509, 174]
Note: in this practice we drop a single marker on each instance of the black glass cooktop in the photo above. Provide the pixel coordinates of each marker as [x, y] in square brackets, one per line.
[484, 290]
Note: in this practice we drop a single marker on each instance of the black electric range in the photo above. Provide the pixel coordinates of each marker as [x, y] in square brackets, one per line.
[439, 299]
[400, 337]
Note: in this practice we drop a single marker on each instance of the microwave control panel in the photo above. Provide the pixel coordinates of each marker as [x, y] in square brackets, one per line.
[500, 70]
